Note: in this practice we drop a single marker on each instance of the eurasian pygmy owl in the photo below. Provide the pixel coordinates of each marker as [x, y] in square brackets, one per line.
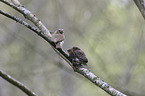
[58, 38]
[77, 56]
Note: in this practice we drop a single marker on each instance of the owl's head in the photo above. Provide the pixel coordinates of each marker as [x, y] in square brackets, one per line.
[59, 31]
[69, 51]
[75, 48]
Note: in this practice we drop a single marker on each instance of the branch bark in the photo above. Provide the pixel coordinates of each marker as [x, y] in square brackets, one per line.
[141, 6]
[28, 15]
[83, 71]
[17, 83]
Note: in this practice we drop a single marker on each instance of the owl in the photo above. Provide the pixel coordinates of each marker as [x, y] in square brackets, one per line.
[58, 38]
[77, 56]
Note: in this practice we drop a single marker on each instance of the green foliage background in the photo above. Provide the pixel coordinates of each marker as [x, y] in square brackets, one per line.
[111, 33]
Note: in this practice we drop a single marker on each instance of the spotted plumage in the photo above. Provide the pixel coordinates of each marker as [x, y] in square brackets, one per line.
[77, 56]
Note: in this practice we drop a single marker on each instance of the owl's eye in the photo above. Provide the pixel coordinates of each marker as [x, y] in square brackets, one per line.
[60, 31]
[69, 50]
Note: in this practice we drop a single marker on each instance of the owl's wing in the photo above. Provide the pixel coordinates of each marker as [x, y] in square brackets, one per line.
[81, 56]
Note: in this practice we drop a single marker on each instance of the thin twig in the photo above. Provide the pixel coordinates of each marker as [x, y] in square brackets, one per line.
[17, 83]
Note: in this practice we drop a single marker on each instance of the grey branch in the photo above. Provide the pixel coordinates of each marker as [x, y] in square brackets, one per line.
[28, 15]
[141, 6]
[17, 83]
[99, 82]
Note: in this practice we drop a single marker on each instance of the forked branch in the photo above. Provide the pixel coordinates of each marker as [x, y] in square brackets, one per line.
[43, 33]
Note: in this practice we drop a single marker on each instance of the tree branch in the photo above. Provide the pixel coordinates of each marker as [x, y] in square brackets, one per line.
[59, 50]
[83, 71]
[141, 6]
[28, 15]
[17, 83]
